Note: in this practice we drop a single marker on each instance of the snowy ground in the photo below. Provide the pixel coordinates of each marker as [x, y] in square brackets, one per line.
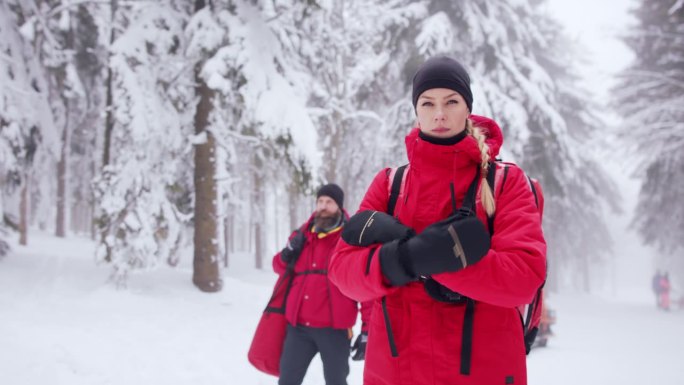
[61, 323]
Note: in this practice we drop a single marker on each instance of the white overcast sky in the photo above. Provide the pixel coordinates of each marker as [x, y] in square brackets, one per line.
[597, 25]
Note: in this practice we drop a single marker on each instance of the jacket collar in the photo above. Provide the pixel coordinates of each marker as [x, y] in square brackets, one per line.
[423, 154]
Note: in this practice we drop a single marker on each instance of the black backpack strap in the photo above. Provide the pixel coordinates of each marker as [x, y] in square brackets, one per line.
[491, 175]
[467, 337]
[534, 191]
[468, 204]
[468, 208]
[288, 279]
[491, 178]
[391, 204]
[396, 189]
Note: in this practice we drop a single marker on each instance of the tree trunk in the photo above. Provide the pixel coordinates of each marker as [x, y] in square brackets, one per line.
[63, 163]
[231, 233]
[276, 219]
[109, 104]
[206, 256]
[227, 228]
[60, 225]
[293, 207]
[23, 212]
[258, 247]
[258, 211]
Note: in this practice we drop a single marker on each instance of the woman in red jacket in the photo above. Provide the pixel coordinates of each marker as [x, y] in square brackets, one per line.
[445, 289]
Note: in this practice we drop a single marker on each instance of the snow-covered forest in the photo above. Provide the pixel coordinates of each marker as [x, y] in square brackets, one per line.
[174, 129]
[155, 150]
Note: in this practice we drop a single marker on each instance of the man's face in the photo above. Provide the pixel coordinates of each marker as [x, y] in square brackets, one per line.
[326, 207]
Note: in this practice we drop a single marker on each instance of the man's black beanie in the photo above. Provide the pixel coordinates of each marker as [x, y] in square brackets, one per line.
[333, 191]
[442, 72]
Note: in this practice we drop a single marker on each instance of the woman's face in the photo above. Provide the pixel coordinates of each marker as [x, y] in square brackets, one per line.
[442, 113]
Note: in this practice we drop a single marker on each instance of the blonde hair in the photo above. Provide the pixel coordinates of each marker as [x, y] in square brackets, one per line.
[486, 194]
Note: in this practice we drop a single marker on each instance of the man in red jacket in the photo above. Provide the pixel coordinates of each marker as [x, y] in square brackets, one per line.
[319, 317]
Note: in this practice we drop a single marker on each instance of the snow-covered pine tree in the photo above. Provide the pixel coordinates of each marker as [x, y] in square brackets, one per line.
[51, 26]
[261, 108]
[358, 90]
[206, 36]
[138, 223]
[579, 200]
[90, 58]
[27, 140]
[68, 95]
[650, 96]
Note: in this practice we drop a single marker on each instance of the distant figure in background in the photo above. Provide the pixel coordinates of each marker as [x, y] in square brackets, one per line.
[664, 289]
[655, 285]
[319, 316]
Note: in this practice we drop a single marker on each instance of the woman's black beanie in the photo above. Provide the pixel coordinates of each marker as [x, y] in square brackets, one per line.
[442, 72]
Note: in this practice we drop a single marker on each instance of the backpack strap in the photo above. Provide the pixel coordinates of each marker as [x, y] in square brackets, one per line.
[491, 179]
[397, 176]
[468, 206]
[534, 191]
[496, 178]
[287, 280]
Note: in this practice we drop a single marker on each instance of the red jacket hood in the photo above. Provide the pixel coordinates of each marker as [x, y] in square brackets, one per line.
[491, 131]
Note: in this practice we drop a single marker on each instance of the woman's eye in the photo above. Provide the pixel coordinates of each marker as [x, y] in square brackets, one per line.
[427, 104]
[452, 101]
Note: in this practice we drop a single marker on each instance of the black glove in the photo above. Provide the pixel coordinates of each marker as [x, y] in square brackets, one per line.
[368, 227]
[294, 247]
[448, 245]
[358, 350]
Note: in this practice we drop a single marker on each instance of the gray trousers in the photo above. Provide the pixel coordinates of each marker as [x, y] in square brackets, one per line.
[301, 345]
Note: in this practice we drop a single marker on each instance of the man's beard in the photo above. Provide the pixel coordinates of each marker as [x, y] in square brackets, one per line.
[324, 221]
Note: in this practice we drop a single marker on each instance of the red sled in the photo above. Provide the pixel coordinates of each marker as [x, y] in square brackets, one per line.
[267, 343]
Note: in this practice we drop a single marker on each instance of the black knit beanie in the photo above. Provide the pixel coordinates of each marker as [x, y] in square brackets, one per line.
[333, 191]
[442, 72]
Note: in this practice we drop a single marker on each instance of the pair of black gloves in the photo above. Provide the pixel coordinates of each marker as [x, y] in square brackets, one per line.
[446, 246]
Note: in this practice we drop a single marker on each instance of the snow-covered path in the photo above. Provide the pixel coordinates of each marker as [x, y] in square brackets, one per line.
[61, 323]
[605, 342]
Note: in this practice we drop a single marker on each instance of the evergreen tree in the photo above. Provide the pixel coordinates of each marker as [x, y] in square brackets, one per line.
[84, 150]
[358, 92]
[27, 140]
[650, 97]
[261, 117]
[139, 223]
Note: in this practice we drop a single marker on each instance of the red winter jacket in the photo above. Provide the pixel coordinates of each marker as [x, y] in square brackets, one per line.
[313, 301]
[428, 333]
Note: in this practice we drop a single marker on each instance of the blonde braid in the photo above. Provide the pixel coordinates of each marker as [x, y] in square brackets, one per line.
[486, 195]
